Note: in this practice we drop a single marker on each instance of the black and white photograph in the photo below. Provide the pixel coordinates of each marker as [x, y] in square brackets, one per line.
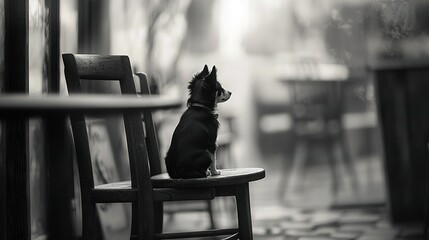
[214, 119]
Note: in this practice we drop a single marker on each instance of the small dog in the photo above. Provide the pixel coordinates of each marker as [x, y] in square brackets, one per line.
[193, 146]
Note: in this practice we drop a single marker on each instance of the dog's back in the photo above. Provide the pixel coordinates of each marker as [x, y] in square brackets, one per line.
[193, 138]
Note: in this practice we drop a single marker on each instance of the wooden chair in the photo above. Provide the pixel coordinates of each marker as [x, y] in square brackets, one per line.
[316, 111]
[171, 209]
[148, 187]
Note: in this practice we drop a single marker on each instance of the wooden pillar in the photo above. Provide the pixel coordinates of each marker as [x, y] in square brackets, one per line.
[54, 46]
[93, 26]
[14, 173]
[14, 162]
[402, 98]
[60, 179]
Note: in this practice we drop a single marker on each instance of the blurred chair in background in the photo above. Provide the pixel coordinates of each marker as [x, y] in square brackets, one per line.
[316, 108]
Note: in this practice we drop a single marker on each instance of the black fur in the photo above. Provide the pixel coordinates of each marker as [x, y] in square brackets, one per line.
[195, 135]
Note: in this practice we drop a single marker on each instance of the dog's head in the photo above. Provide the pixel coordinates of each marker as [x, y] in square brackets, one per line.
[206, 90]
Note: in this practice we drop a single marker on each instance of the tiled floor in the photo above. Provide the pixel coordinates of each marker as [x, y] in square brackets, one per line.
[279, 222]
[360, 224]
[304, 210]
[283, 223]
[307, 214]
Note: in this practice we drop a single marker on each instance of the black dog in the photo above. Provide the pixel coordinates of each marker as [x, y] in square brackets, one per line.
[193, 146]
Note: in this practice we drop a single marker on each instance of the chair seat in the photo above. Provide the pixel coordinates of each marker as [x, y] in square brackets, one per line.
[232, 176]
[114, 185]
[123, 192]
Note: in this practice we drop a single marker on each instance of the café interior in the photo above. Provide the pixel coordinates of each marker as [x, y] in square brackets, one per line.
[325, 136]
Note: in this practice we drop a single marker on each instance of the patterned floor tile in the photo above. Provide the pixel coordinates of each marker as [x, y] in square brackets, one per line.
[357, 228]
[301, 233]
[327, 230]
[267, 231]
[345, 235]
[375, 238]
[392, 232]
[360, 218]
[296, 226]
[315, 238]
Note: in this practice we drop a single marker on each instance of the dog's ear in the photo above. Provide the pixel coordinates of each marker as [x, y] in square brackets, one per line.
[203, 73]
[205, 70]
[211, 78]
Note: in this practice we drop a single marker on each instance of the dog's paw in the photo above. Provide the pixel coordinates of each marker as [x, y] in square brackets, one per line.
[215, 172]
[208, 173]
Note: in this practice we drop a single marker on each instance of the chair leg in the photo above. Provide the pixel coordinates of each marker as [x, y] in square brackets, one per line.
[210, 212]
[159, 216]
[141, 228]
[134, 220]
[146, 228]
[90, 224]
[300, 159]
[349, 163]
[243, 210]
[333, 163]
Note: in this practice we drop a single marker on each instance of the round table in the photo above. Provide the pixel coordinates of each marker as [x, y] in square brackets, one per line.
[15, 110]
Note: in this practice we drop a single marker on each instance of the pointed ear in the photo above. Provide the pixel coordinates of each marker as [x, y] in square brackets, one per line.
[213, 75]
[203, 73]
[205, 70]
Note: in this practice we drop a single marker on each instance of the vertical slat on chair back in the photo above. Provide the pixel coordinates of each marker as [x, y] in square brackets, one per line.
[94, 67]
[314, 99]
[151, 135]
[79, 129]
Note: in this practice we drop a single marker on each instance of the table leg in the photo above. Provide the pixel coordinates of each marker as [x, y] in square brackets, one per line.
[60, 180]
[14, 171]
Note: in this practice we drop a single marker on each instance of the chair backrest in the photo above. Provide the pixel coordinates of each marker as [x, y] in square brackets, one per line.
[109, 68]
[315, 99]
[151, 134]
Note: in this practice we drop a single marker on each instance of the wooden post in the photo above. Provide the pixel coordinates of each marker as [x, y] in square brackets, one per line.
[402, 98]
[14, 197]
[60, 179]
[54, 46]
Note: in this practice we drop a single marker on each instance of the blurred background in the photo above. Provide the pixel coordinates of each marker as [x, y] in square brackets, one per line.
[303, 104]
